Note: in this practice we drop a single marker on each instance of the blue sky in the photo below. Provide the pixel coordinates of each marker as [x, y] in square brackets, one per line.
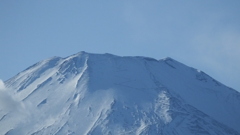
[204, 34]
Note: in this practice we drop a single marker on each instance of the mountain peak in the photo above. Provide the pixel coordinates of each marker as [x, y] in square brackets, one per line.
[119, 95]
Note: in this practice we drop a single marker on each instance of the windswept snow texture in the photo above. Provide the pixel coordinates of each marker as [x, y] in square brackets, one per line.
[94, 94]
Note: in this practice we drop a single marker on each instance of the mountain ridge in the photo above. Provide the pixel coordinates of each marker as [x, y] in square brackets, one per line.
[150, 96]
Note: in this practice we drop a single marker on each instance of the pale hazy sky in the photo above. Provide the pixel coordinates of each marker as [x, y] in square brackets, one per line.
[204, 34]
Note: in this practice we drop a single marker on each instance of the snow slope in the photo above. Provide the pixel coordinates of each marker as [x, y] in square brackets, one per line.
[107, 94]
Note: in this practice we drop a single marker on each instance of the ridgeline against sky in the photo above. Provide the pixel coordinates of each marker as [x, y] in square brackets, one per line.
[101, 94]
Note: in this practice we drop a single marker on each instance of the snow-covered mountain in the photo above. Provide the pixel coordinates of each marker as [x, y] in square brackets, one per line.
[93, 94]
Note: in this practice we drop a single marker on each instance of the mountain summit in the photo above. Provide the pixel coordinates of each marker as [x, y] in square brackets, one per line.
[93, 94]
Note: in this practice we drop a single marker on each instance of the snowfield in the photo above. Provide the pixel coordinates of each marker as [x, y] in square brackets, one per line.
[94, 94]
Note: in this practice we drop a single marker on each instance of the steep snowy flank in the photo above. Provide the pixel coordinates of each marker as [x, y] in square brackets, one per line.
[107, 94]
